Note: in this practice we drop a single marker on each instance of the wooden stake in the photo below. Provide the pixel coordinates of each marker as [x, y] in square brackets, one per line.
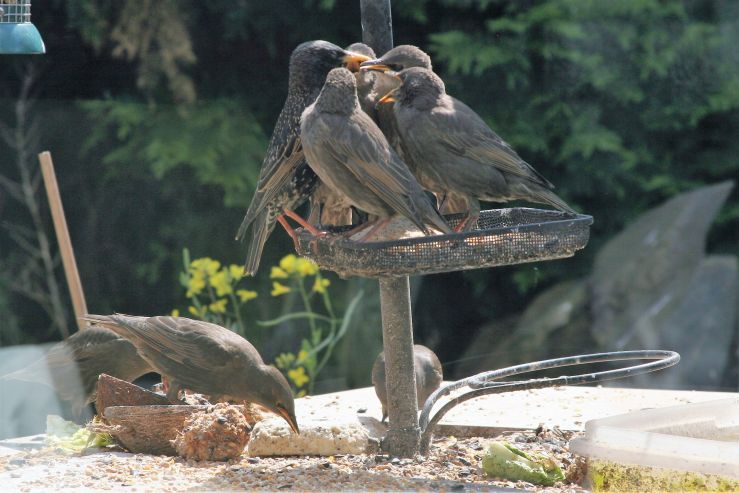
[62, 236]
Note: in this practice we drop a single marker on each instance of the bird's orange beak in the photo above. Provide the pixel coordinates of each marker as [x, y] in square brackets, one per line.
[354, 60]
[388, 98]
[375, 65]
[289, 418]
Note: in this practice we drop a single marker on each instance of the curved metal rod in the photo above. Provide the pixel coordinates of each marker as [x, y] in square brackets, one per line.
[483, 383]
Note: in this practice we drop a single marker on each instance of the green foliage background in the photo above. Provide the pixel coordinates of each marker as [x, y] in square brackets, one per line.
[158, 128]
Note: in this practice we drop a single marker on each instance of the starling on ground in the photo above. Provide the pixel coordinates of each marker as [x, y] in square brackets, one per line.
[348, 152]
[285, 180]
[428, 376]
[456, 154]
[75, 364]
[205, 358]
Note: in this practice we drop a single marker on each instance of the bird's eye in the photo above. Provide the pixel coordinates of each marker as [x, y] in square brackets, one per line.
[395, 67]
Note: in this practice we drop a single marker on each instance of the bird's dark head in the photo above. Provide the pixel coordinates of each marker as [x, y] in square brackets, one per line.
[419, 87]
[339, 93]
[311, 61]
[274, 393]
[399, 58]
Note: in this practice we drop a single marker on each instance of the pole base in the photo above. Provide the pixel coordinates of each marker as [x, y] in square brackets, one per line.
[402, 442]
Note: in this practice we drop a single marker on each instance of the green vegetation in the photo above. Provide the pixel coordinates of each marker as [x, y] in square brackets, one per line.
[158, 113]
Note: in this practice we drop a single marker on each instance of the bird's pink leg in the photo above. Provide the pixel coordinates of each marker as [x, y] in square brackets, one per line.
[303, 223]
[467, 223]
[376, 228]
[289, 230]
[359, 228]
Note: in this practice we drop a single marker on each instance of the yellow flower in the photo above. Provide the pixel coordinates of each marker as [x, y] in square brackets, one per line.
[246, 295]
[302, 355]
[279, 289]
[175, 313]
[302, 393]
[298, 376]
[198, 313]
[305, 267]
[236, 271]
[320, 285]
[277, 273]
[218, 306]
[288, 263]
[221, 282]
[284, 360]
[195, 284]
[206, 265]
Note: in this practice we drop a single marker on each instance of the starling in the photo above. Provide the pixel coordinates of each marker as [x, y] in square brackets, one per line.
[329, 207]
[285, 180]
[204, 358]
[456, 154]
[428, 376]
[349, 153]
[395, 60]
[75, 364]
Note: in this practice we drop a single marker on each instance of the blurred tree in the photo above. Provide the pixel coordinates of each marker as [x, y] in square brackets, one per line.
[30, 270]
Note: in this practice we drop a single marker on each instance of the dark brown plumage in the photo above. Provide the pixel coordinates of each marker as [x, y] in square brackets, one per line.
[285, 180]
[75, 364]
[329, 207]
[429, 376]
[395, 60]
[348, 151]
[456, 154]
[204, 358]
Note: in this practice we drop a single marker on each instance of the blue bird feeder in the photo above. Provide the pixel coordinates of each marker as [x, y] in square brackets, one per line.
[17, 35]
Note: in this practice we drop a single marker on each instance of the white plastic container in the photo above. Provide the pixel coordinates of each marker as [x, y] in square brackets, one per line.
[692, 447]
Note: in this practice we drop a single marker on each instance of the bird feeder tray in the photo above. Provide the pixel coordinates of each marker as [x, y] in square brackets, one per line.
[501, 237]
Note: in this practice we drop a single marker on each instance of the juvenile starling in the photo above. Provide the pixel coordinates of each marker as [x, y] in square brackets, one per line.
[330, 207]
[285, 180]
[204, 358]
[395, 60]
[349, 153]
[456, 154]
[428, 376]
[75, 364]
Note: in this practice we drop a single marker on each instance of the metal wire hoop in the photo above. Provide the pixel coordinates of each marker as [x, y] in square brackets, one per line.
[485, 383]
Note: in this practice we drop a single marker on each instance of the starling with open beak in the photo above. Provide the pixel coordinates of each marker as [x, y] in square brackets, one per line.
[350, 154]
[285, 180]
[204, 358]
[456, 154]
[72, 367]
[427, 368]
[395, 60]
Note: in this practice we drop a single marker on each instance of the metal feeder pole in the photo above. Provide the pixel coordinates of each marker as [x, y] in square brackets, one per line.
[403, 437]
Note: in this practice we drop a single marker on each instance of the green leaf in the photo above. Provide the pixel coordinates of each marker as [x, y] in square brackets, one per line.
[503, 460]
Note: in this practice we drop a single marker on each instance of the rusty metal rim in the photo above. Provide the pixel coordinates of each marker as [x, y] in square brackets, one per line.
[558, 223]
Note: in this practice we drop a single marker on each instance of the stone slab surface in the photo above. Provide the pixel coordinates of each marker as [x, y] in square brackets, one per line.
[566, 407]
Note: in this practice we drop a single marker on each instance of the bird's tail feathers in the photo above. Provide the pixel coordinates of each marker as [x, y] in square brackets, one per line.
[260, 231]
[429, 216]
[544, 196]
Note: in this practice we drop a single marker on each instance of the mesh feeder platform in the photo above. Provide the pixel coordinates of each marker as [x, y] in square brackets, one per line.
[501, 237]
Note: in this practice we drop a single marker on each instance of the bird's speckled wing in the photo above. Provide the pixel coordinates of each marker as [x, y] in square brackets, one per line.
[284, 155]
[463, 133]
